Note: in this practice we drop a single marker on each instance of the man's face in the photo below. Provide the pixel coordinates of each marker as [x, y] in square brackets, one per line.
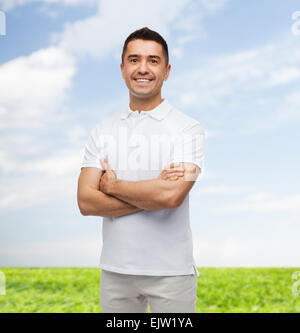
[144, 59]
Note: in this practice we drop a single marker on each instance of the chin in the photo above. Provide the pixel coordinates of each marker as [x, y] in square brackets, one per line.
[141, 92]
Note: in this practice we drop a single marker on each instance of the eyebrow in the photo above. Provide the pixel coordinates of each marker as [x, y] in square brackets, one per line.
[138, 56]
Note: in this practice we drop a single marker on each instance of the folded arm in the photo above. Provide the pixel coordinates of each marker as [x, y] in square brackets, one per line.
[156, 194]
[93, 202]
[153, 194]
[126, 197]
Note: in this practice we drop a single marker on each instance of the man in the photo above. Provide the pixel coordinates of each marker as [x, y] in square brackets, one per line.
[142, 192]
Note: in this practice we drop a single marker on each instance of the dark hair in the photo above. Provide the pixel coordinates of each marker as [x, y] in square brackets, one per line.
[147, 34]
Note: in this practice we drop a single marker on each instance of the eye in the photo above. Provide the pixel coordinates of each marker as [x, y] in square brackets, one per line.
[132, 60]
[154, 60]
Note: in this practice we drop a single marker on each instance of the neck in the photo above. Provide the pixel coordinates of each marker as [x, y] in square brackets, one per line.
[145, 104]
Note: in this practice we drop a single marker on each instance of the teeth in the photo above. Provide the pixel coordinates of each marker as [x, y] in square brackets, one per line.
[143, 80]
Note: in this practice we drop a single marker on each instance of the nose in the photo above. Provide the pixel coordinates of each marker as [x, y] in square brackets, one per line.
[143, 68]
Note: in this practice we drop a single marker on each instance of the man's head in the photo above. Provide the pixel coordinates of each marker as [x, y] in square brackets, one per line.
[145, 55]
[147, 34]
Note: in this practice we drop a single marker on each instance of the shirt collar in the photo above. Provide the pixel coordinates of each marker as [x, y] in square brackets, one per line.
[159, 112]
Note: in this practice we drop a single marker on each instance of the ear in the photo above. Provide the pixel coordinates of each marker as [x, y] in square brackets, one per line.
[167, 72]
[122, 70]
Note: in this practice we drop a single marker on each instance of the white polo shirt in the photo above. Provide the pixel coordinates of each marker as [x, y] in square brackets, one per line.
[137, 147]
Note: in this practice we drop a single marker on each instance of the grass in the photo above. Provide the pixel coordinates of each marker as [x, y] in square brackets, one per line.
[77, 290]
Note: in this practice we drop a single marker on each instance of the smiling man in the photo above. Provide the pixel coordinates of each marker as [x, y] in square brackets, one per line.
[138, 168]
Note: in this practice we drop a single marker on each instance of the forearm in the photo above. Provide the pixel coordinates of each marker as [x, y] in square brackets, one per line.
[98, 203]
[153, 194]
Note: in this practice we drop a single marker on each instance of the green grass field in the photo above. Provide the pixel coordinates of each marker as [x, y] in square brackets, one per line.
[244, 290]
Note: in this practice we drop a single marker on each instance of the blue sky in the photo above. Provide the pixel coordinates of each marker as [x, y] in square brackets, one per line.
[235, 67]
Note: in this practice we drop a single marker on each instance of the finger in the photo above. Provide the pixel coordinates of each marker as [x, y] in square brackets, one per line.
[168, 178]
[169, 166]
[104, 163]
[175, 173]
[164, 176]
[173, 176]
[174, 166]
[174, 169]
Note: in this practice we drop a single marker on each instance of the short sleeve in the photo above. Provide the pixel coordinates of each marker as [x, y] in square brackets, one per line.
[92, 151]
[189, 146]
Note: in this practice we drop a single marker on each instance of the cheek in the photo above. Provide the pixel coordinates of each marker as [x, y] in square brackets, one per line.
[159, 79]
[161, 75]
[128, 81]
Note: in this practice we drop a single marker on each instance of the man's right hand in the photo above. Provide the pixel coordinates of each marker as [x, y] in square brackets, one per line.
[171, 172]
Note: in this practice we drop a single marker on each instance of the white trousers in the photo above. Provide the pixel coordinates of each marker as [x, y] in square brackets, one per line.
[124, 293]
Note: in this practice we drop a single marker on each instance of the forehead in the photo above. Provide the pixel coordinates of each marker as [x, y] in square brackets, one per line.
[144, 47]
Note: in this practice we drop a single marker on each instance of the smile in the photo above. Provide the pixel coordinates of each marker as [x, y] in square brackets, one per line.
[142, 81]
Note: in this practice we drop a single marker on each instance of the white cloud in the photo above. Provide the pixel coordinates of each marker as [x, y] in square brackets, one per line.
[77, 135]
[33, 88]
[177, 52]
[215, 78]
[91, 36]
[261, 196]
[233, 84]
[8, 5]
[221, 190]
[263, 203]
[213, 5]
[61, 163]
[293, 97]
[283, 76]
[287, 110]
[23, 192]
[21, 145]
[40, 179]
